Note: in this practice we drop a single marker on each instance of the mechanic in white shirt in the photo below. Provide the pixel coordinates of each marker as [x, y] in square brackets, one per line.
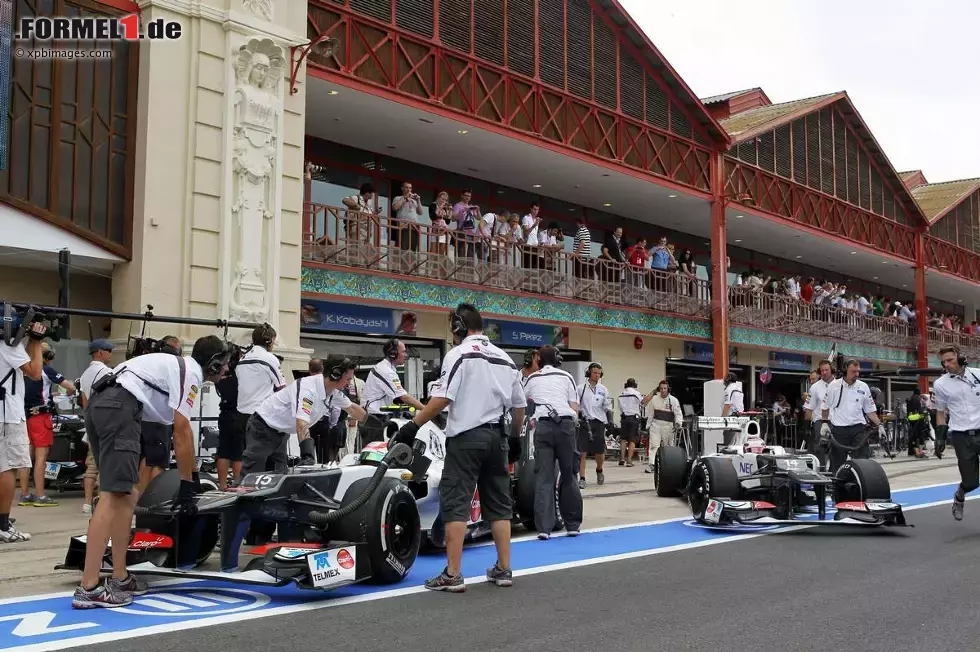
[734, 401]
[958, 416]
[481, 384]
[16, 361]
[629, 420]
[258, 376]
[101, 352]
[158, 387]
[595, 409]
[555, 398]
[381, 388]
[847, 408]
[813, 409]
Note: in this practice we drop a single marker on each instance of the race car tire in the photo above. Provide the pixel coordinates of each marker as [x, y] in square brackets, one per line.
[711, 477]
[669, 467]
[388, 523]
[526, 481]
[860, 480]
[163, 488]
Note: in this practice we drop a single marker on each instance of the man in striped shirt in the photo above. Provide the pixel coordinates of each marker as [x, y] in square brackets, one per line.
[583, 249]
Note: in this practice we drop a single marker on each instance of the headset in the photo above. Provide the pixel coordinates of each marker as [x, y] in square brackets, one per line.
[337, 372]
[165, 347]
[457, 325]
[529, 358]
[217, 361]
[630, 382]
[267, 334]
[554, 358]
[391, 349]
[594, 365]
[729, 379]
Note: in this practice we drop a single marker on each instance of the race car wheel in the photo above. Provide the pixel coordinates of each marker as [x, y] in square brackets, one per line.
[202, 531]
[860, 480]
[390, 525]
[669, 466]
[711, 477]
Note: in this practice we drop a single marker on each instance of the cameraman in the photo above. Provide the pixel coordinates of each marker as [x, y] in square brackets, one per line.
[160, 387]
[39, 406]
[16, 362]
[155, 437]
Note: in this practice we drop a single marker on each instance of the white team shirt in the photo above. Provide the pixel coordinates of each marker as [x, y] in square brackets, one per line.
[735, 397]
[848, 404]
[12, 358]
[629, 402]
[305, 399]
[433, 385]
[482, 383]
[382, 387]
[551, 387]
[163, 371]
[960, 397]
[818, 391]
[258, 377]
[594, 401]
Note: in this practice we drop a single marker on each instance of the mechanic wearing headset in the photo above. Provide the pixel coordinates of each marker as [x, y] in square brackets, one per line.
[595, 409]
[847, 408]
[667, 419]
[39, 405]
[480, 384]
[814, 409]
[160, 387]
[555, 399]
[155, 436]
[734, 402]
[381, 388]
[629, 424]
[958, 415]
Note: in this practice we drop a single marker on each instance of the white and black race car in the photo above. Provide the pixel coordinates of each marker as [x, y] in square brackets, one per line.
[750, 482]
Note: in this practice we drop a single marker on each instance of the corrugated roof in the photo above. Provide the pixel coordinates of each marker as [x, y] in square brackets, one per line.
[937, 199]
[908, 174]
[757, 118]
[727, 96]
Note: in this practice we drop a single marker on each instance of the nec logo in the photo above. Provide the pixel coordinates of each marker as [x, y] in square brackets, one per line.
[745, 467]
[322, 561]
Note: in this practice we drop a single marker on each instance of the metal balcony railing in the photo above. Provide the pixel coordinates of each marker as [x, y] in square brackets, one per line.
[940, 337]
[338, 236]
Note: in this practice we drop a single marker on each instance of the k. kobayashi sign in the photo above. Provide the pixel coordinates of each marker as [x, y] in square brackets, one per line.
[353, 318]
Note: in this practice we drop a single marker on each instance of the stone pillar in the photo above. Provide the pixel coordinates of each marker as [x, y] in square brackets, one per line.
[219, 178]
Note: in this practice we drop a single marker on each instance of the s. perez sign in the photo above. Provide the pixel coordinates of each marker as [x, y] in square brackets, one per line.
[510, 333]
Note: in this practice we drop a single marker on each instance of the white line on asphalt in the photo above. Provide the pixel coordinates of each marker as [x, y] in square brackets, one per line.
[414, 590]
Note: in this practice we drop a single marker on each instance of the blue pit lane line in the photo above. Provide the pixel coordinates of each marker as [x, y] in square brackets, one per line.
[36, 623]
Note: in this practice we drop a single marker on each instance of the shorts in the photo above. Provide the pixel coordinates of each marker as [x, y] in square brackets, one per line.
[231, 435]
[155, 441]
[113, 421]
[40, 430]
[15, 452]
[629, 428]
[476, 459]
[596, 444]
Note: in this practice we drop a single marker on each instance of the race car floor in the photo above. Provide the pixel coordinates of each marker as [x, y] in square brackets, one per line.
[886, 591]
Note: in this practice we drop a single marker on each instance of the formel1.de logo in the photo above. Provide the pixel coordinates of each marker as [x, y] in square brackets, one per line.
[96, 28]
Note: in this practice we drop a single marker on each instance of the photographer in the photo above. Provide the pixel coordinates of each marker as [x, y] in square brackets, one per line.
[24, 359]
[162, 388]
[407, 209]
[156, 436]
[39, 406]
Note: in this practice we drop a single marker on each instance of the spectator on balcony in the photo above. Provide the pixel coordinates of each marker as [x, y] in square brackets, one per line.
[467, 218]
[530, 227]
[359, 225]
[550, 242]
[904, 314]
[407, 208]
[637, 256]
[688, 273]
[583, 264]
[660, 262]
[879, 305]
[440, 212]
[488, 228]
[806, 290]
[510, 236]
[613, 257]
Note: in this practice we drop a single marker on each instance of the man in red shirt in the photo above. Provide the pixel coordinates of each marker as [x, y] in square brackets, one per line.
[806, 291]
[637, 256]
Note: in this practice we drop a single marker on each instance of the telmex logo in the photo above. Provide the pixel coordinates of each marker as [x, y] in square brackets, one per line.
[184, 602]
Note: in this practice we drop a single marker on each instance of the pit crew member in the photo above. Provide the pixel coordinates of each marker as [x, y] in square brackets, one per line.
[155, 436]
[101, 352]
[258, 377]
[162, 388]
[813, 410]
[958, 416]
[734, 402]
[381, 388]
[39, 406]
[555, 399]
[667, 419]
[595, 415]
[480, 384]
[629, 421]
[847, 408]
[25, 359]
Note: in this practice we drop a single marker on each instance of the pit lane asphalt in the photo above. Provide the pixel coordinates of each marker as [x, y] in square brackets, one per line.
[820, 590]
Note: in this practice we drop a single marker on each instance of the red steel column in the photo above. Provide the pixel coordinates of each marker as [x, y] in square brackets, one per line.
[719, 267]
[921, 306]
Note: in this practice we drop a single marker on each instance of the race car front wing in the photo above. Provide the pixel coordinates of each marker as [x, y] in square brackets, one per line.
[874, 513]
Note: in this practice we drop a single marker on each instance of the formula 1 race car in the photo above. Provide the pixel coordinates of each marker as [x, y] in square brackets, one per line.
[337, 526]
[747, 482]
[425, 487]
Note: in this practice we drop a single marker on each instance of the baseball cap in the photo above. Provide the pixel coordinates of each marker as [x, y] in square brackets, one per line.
[100, 344]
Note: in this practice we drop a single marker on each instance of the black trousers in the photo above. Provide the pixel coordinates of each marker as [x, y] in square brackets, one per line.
[848, 436]
[554, 447]
[967, 447]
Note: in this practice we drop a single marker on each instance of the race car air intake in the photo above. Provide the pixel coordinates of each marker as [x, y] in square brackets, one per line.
[400, 454]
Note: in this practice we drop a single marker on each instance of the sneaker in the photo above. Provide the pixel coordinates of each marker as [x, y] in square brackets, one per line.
[132, 585]
[648, 469]
[572, 533]
[101, 596]
[958, 508]
[28, 500]
[600, 478]
[582, 483]
[13, 535]
[622, 462]
[446, 582]
[87, 509]
[45, 501]
[499, 576]
[544, 536]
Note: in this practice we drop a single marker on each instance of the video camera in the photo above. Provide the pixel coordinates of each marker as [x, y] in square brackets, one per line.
[142, 345]
[17, 318]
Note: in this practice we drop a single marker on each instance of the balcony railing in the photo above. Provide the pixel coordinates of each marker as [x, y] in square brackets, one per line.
[940, 337]
[784, 313]
[337, 236]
